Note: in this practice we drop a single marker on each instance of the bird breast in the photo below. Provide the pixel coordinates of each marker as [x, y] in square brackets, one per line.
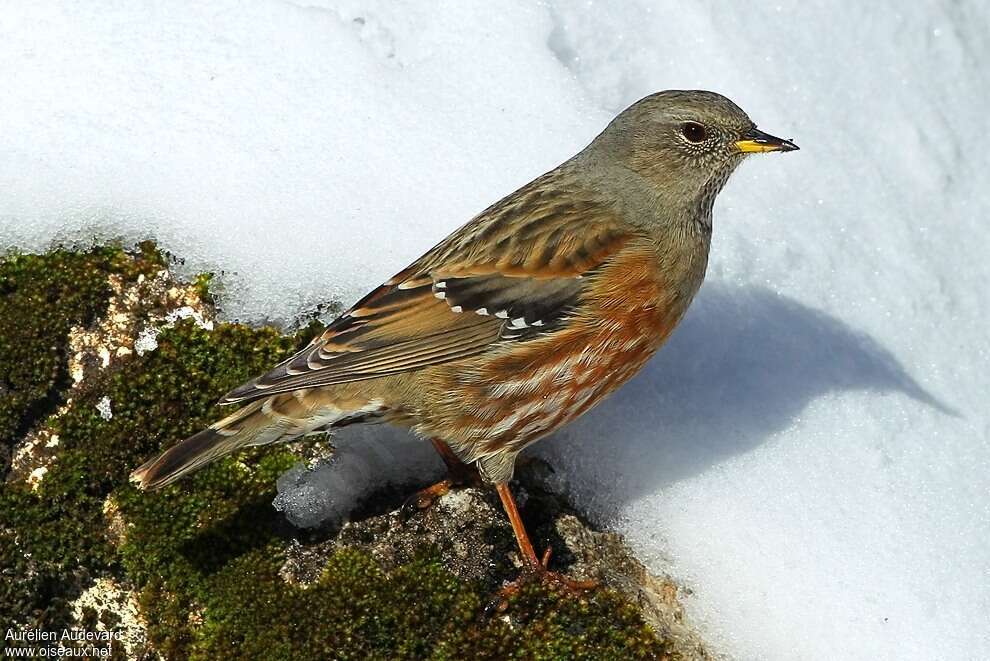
[505, 399]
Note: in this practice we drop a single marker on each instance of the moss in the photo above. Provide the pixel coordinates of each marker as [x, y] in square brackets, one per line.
[420, 611]
[41, 298]
[204, 554]
[202, 284]
[156, 400]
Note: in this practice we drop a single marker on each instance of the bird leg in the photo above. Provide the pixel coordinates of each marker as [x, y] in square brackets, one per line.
[459, 474]
[533, 567]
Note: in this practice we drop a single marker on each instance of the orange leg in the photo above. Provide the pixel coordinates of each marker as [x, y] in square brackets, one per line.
[525, 546]
[458, 474]
[535, 567]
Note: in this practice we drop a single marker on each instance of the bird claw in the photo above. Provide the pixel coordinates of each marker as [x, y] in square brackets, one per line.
[459, 475]
[426, 498]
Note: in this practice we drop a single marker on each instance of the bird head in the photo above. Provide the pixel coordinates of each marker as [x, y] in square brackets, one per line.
[685, 144]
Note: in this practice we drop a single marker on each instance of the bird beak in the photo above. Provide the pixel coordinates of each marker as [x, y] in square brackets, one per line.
[755, 140]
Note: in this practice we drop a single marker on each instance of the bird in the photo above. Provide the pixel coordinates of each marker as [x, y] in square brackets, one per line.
[522, 319]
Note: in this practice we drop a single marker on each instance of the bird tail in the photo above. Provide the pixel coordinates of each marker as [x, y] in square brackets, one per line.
[245, 427]
[277, 418]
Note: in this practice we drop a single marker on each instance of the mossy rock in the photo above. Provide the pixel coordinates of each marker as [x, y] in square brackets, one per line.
[204, 555]
[41, 298]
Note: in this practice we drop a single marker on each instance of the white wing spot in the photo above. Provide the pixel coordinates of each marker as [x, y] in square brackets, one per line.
[440, 294]
[538, 322]
[483, 311]
[456, 308]
[441, 285]
[502, 314]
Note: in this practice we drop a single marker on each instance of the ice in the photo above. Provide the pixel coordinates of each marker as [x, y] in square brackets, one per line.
[810, 452]
[366, 460]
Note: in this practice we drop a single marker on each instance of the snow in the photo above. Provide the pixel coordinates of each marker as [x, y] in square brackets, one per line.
[326, 492]
[811, 450]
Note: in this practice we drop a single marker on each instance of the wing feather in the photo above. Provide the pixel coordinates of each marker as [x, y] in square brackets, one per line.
[512, 272]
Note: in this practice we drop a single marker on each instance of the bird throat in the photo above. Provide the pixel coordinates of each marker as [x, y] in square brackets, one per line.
[706, 199]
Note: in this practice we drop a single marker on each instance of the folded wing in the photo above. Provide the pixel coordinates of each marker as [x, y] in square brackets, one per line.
[513, 272]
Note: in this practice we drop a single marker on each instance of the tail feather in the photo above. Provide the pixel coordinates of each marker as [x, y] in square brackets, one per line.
[264, 421]
[248, 426]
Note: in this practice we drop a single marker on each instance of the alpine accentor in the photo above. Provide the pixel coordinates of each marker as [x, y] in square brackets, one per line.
[525, 317]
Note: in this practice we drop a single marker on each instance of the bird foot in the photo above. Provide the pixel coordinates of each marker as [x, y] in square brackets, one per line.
[534, 572]
[426, 498]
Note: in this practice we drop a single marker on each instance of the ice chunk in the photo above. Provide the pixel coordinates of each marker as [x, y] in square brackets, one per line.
[362, 463]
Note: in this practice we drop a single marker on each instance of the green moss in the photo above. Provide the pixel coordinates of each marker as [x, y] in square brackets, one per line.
[41, 298]
[54, 539]
[202, 285]
[420, 611]
[204, 554]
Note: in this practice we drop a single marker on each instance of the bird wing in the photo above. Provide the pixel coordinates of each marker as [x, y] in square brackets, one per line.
[512, 272]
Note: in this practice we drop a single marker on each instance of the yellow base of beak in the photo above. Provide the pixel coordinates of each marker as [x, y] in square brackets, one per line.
[758, 142]
[752, 146]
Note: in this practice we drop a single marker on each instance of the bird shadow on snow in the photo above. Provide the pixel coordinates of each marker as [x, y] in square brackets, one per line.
[742, 365]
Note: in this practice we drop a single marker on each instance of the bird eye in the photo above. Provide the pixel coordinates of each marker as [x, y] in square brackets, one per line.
[694, 132]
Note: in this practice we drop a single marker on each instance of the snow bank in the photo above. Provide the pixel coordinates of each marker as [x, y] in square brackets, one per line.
[810, 451]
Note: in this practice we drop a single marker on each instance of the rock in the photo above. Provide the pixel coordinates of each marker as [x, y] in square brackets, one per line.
[109, 606]
[475, 540]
